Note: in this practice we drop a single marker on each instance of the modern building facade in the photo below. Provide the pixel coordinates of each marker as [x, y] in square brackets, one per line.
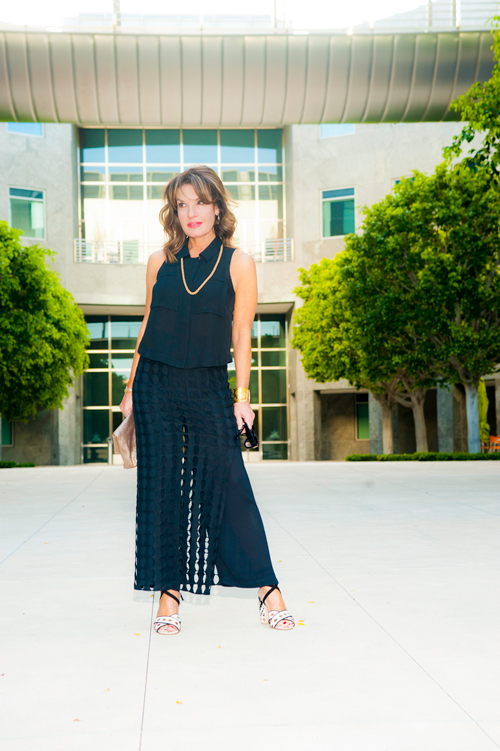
[93, 196]
[305, 148]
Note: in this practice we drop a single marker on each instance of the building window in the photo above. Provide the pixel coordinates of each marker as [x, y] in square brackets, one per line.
[27, 212]
[7, 433]
[268, 384]
[112, 346]
[26, 129]
[338, 212]
[123, 173]
[331, 130]
[362, 418]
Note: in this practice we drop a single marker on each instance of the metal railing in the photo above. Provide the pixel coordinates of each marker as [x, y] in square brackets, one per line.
[107, 251]
[134, 252]
[435, 15]
[275, 250]
[429, 15]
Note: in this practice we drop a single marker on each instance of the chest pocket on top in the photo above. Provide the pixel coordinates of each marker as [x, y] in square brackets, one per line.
[166, 291]
[211, 298]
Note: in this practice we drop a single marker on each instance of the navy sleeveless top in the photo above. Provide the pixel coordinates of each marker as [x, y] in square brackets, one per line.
[191, 331]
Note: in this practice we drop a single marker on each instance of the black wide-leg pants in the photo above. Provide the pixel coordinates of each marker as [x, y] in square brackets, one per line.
[197, 520]
[242, 558]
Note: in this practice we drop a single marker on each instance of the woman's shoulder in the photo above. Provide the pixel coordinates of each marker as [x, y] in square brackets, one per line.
[241, 260]
[156, 259]
[155, 262]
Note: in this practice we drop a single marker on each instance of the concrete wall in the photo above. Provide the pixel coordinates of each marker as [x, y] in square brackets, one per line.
[53, 437]
[49, 164]
[35, 441]
[338, 427]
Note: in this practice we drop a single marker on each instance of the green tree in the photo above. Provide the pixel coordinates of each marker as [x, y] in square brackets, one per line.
[414, 300]
[462, 276]
[332, 348]
[425, 274]
[381, 300]
[43, 335]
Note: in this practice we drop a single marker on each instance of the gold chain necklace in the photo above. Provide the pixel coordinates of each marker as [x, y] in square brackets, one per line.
[208, 277]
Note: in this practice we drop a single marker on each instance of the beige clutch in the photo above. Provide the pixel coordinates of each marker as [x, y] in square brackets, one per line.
[124, 441]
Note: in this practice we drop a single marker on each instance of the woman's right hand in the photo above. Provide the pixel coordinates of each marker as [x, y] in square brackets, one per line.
[126, 404]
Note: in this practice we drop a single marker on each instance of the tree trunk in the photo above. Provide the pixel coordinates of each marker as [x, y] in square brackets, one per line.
[387, 437]
[420, 428]
[417, 405]
[471, 407]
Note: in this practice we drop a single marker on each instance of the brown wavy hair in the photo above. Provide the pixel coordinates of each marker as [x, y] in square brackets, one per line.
[207, 186]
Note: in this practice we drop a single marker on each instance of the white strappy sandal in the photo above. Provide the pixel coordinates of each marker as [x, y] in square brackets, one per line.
[168, 620]
[273, 618]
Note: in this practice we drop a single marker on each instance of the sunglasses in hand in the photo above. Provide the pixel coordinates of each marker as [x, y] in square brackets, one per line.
[251, 441]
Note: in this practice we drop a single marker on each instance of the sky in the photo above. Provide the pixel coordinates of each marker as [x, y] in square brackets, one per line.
[312, 14]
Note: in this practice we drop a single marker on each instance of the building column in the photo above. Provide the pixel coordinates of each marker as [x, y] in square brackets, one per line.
[444, 401]
[308, 426]
[375, 419]
[69, 429]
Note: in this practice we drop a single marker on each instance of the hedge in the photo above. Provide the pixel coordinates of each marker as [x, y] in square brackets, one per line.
[423, 456]
[11, 465]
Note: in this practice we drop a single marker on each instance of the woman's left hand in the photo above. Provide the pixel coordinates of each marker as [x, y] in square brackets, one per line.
[243, 411]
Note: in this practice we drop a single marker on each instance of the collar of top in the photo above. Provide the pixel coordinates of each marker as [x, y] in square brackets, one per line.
[207, 254]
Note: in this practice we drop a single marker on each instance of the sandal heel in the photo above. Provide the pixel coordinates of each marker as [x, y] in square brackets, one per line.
[273, 618]
[168, 620]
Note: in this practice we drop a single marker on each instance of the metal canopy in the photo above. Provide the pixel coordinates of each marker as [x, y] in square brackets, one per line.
[237, 80]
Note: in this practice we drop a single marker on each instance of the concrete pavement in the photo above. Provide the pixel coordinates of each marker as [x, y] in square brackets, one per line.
[392, 571]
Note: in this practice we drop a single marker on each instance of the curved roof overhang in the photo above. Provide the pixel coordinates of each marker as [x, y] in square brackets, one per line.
[237, 81]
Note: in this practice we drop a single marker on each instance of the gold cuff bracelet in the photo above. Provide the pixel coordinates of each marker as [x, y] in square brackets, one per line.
[241, 394]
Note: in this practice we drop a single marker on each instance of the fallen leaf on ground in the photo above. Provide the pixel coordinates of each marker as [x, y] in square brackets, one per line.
[136, 634]
[107, 689]
[76, 720]
[220, 645]
[178, 702]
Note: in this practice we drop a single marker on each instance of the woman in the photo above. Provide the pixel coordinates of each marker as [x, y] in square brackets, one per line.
[197, 521]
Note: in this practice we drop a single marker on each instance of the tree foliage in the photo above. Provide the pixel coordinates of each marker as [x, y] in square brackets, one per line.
[43, 335]
[414, 299]
[334, 347]
[427, 270]
[428, 261]
[479, 108]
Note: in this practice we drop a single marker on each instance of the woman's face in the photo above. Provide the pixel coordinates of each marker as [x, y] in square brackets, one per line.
[196, 217]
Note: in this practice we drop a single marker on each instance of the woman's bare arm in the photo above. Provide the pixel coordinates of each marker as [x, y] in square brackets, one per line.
[154, 263]
[244, 278]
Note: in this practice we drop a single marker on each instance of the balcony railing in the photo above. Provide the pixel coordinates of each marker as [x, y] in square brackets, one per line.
[135, 252]
[275, 250]
[122, 252]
